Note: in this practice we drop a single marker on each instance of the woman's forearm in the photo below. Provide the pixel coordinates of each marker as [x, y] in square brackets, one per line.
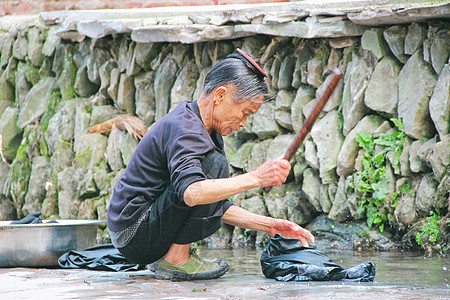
[240, 217]
[213, 190]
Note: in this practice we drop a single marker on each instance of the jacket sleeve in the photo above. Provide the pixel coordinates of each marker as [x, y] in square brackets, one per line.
[184, 161]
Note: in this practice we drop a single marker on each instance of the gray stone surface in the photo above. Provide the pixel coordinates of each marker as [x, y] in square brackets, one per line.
[40, 173]
[82, 126]
[335, 98]
[356, 81]
[68, 202]
[103, 113]
[286, 72]
[405, 213]
[382, 92]
[145, 97]
[164, 79]
[258, 155]
[283, 105]
[416, 164]
[67, 78]
[279, 145]
[329, 139]
[264, 124]
[91, 151]
[184, 86]
[83, 86]
[35, 44]
[125, 94]
[439, 50]
[439, 159]
[373, 41]
[311, 154]
[340, 210]
[350, 147]
[425, 195]
[315, 71]
[11, 135]
[62, 125]
[36, 101]
[395, 38]
[241, 158]
[440, 102]
[416, 83]
[298, 208]
[20, 46]
[311, 186]
[414, 38]
[303, 96]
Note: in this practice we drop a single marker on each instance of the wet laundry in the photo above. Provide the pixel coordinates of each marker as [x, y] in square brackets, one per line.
[100, 258]
[285, 259]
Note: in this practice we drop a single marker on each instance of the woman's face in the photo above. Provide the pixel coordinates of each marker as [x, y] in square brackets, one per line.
[229, 116]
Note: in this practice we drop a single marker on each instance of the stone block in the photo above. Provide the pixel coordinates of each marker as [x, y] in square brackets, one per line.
[416, 83]
[145, 97]
[417, 33]
[283, 105]
[125, 95]
[35, 44]
[395, 38]
[328, 138]
[164, 78]
[382, 91]
[264, 124]
[373, 41]
[185, 84]
[440, 102]
[11, 135]
[439, 50]
[36, 101]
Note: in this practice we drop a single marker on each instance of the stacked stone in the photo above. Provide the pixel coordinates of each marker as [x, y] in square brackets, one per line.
[52, 91]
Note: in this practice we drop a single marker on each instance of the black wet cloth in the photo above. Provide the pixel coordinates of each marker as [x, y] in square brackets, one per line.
[99, 258]
[33, 218]
[285, 259]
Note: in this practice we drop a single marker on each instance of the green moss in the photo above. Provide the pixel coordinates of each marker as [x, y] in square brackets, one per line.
[83, 158]
[45, 119]
[32, 73]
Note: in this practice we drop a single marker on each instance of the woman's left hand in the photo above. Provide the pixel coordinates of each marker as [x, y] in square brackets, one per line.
[289, 229]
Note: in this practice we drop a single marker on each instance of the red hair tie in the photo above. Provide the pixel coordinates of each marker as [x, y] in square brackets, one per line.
[250, 60]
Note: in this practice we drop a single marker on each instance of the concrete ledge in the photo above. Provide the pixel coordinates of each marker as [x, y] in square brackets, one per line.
[192, 24]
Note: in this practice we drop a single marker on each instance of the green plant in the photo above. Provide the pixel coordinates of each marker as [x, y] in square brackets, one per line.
[430, 229]
[370, 182]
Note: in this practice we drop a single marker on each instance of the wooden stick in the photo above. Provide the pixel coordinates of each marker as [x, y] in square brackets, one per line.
[307, 125]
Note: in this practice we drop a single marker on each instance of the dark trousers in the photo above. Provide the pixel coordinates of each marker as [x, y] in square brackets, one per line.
[172, 221]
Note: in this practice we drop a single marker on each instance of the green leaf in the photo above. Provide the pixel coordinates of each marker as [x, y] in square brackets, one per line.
[364, 138]
[399, 124]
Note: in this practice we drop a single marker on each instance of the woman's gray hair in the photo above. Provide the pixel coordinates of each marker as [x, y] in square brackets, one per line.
[248, 83]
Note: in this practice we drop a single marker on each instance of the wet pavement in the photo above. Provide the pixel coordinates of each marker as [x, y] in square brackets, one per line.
[399, 276]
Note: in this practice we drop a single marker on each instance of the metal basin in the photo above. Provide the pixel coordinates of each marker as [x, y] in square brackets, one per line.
[40, 245]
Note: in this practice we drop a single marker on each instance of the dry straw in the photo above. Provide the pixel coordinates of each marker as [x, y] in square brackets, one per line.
[131, 124]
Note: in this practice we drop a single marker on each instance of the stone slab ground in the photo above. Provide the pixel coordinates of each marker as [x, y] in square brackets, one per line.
[26, 283]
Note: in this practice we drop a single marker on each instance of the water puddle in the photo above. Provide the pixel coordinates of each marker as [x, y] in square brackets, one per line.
[392, 267]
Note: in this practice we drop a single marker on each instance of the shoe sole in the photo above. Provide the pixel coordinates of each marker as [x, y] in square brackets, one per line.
[181, 276]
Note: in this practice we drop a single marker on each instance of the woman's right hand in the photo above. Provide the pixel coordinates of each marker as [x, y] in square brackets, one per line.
[273, 172]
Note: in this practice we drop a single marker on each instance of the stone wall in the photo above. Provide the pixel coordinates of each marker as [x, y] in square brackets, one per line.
[53, 90]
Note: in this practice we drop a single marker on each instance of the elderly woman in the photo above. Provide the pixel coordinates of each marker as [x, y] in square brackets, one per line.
[175, 189]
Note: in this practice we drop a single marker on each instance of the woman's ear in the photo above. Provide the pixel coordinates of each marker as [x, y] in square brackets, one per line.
[219, 94]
